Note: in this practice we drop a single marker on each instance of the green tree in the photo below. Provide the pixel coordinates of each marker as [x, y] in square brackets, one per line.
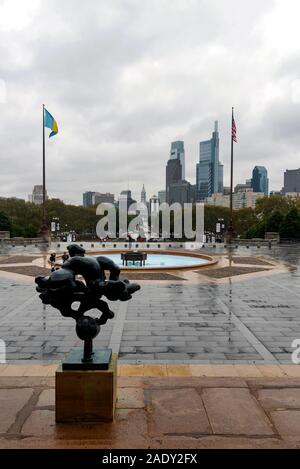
[243, 220]
[274, 221]
[290, 227]
[5, 224]
[265, 206]
[256, 231]
[270, 213]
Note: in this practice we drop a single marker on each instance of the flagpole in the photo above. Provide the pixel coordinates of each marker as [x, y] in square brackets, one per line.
[230, 229]
[44, 170]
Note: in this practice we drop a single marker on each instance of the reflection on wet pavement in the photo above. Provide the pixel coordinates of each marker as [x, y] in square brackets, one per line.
[252, 320]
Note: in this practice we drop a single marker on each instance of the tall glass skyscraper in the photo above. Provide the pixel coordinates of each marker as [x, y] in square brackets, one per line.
[177, 153]
[209, 171]
[260, 181]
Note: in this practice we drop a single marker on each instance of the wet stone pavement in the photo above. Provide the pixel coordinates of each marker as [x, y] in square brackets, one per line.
[244, 321]
[159, 412]
[254, 320]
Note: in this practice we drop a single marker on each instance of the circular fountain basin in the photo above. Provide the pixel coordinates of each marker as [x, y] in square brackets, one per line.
[161, 261]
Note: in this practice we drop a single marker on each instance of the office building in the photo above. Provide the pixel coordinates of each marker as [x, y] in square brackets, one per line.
[37, 195]
[243, 187]
[260, 181]
[291, 180]
[177, 153]
[219, 200]
[181, 192]
[209, 171]
[243, 198]
[106, 198]
[292, 195]
[246, 198]
[88, 198]
[95, 198]
[173, 175]
[162, 197]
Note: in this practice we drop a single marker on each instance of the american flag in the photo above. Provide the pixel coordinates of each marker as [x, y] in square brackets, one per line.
[233, 130]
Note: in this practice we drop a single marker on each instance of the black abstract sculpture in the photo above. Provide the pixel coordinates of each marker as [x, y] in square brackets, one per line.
[62, 288]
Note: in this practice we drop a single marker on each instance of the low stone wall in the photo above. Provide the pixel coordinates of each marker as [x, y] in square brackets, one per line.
[22, 241]
[254, 242]
[90, 246]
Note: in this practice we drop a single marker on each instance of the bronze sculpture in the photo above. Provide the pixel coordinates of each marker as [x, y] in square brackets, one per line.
[62, 288]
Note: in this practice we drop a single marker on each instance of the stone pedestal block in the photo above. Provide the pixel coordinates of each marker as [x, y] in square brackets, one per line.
[86, 395]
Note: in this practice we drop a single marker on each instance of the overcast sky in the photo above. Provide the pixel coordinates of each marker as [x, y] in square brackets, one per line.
[124, 78]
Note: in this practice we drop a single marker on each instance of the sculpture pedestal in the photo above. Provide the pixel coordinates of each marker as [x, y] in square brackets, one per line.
[100, 360]
[86, 395]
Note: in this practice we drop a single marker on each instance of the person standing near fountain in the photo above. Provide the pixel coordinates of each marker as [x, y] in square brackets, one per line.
[65, 257]
[52, 260]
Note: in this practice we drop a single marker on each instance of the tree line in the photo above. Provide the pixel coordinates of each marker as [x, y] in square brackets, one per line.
[275, 213]
[271, 214]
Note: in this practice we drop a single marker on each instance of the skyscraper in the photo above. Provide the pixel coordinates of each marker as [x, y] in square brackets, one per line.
[173, 175]
[260, 181]
[291, 180]
[177, 153]
[209, 171]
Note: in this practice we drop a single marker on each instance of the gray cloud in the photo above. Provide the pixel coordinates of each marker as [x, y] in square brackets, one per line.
[125, 78]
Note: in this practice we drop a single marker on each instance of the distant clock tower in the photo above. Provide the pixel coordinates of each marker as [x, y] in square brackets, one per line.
[143, 195]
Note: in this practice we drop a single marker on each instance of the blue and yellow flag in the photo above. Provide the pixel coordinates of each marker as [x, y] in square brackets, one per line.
[50, 123]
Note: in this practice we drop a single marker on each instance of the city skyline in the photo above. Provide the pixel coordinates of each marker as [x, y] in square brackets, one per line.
[259, 182]
[165, 72]
[93, 197]
[192, 180]
[208, 152]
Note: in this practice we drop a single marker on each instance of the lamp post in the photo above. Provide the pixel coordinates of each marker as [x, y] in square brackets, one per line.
[220, 228]
[55, 226]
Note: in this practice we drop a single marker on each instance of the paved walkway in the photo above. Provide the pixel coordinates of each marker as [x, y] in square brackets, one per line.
[237, 407]
[252, 319]
[256, 320]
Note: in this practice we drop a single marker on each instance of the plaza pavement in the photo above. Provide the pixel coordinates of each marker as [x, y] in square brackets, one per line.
[161, 406]
[194, 318]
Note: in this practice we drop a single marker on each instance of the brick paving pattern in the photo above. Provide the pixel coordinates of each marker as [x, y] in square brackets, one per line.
[255, 320]
[17, 259]
[223, 272]
[249, 260]
[31, 270]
